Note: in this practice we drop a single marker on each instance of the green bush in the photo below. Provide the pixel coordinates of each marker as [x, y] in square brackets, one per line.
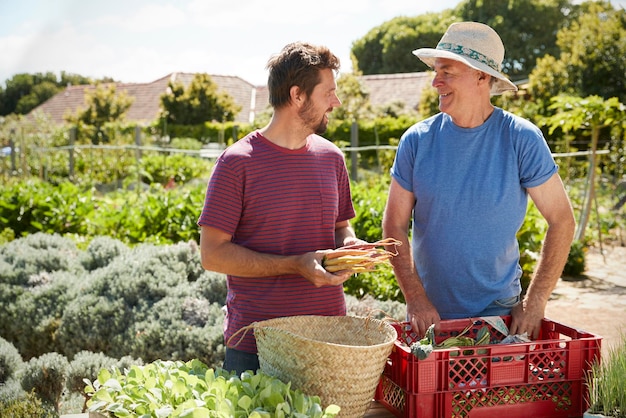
[46, 376]
[144, 293]
[101, 251]
[37, 278]
[39, 311]
[10, 360]
[530, 238]
[161, 168]
[155, 216]
[26, 406]
[211, 286]
[35, 206]
[94, 323]
[10, 391]
[147, 301]
[169, 331]
[26, 258]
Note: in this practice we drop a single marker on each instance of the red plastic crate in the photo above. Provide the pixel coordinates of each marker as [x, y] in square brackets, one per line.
[542, 378]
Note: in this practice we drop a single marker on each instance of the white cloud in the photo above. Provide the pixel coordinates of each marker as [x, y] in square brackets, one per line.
[149, 17]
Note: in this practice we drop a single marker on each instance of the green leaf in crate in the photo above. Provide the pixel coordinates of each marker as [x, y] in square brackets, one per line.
[260, 414]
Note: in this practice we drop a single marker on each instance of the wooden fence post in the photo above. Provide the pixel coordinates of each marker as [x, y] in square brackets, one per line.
[12, 147]
[138, 154]
[354, 154]
[71, 151]
[138, 142]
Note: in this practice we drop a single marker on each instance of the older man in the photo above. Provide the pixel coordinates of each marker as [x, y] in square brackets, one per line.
[464, 176]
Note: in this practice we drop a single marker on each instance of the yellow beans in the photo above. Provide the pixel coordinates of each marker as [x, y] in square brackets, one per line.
[360, 257]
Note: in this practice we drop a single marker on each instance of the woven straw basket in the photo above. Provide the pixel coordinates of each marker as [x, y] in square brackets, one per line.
[338, 358]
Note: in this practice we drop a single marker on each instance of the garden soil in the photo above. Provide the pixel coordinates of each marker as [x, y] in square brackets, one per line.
[595, 302]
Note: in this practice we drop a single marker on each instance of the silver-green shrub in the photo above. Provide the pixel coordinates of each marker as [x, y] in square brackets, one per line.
[147, 301]
[26, 258]
[10, 360]
[46, 376]
[101, 251]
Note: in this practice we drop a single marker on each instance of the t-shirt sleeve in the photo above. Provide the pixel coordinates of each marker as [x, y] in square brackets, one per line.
[402, 168]
[346, 207]
[536, 163]
[223, 200]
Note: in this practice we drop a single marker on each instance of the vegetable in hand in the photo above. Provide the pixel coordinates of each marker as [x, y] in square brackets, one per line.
[359, 258]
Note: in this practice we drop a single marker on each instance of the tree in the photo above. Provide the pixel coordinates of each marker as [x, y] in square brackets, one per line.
[592, 60]
[38, 94]
[25, 91]
[20, 87]
[103, 105]
[593, 51]
[198, 103]
[387, 49]
[528, 28]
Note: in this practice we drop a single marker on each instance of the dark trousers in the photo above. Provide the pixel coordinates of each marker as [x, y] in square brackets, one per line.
[240, 361]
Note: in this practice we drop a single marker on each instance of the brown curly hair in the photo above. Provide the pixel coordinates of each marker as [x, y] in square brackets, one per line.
[298, 64]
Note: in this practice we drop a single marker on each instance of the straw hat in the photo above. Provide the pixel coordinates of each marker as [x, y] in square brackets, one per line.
[474, 44]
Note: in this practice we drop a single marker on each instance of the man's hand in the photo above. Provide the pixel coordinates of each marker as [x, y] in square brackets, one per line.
[311, 268]
[525, 319]
[422, 314]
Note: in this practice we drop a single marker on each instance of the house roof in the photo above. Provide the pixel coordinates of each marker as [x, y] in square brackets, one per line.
[383, 89]
[147, 97]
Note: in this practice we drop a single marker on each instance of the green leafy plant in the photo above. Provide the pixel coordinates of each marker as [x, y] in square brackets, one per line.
[26, 406]
[86, 365]
[606, 383]
[191, 389]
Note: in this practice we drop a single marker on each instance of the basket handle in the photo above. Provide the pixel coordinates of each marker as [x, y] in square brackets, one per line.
[387, 318]
[243, 331]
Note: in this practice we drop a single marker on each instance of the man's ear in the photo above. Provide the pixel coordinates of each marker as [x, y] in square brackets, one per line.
[296, 94]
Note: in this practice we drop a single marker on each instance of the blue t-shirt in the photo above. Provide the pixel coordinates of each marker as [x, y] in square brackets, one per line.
[470, 190]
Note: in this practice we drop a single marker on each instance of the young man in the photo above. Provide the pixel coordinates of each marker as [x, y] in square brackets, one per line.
[277, 200]
[464, 176]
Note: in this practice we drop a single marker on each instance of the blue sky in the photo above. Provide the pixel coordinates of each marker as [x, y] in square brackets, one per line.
[143, 40]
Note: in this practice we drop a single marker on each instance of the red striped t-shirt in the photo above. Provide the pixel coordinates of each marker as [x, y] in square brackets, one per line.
[279, 201]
